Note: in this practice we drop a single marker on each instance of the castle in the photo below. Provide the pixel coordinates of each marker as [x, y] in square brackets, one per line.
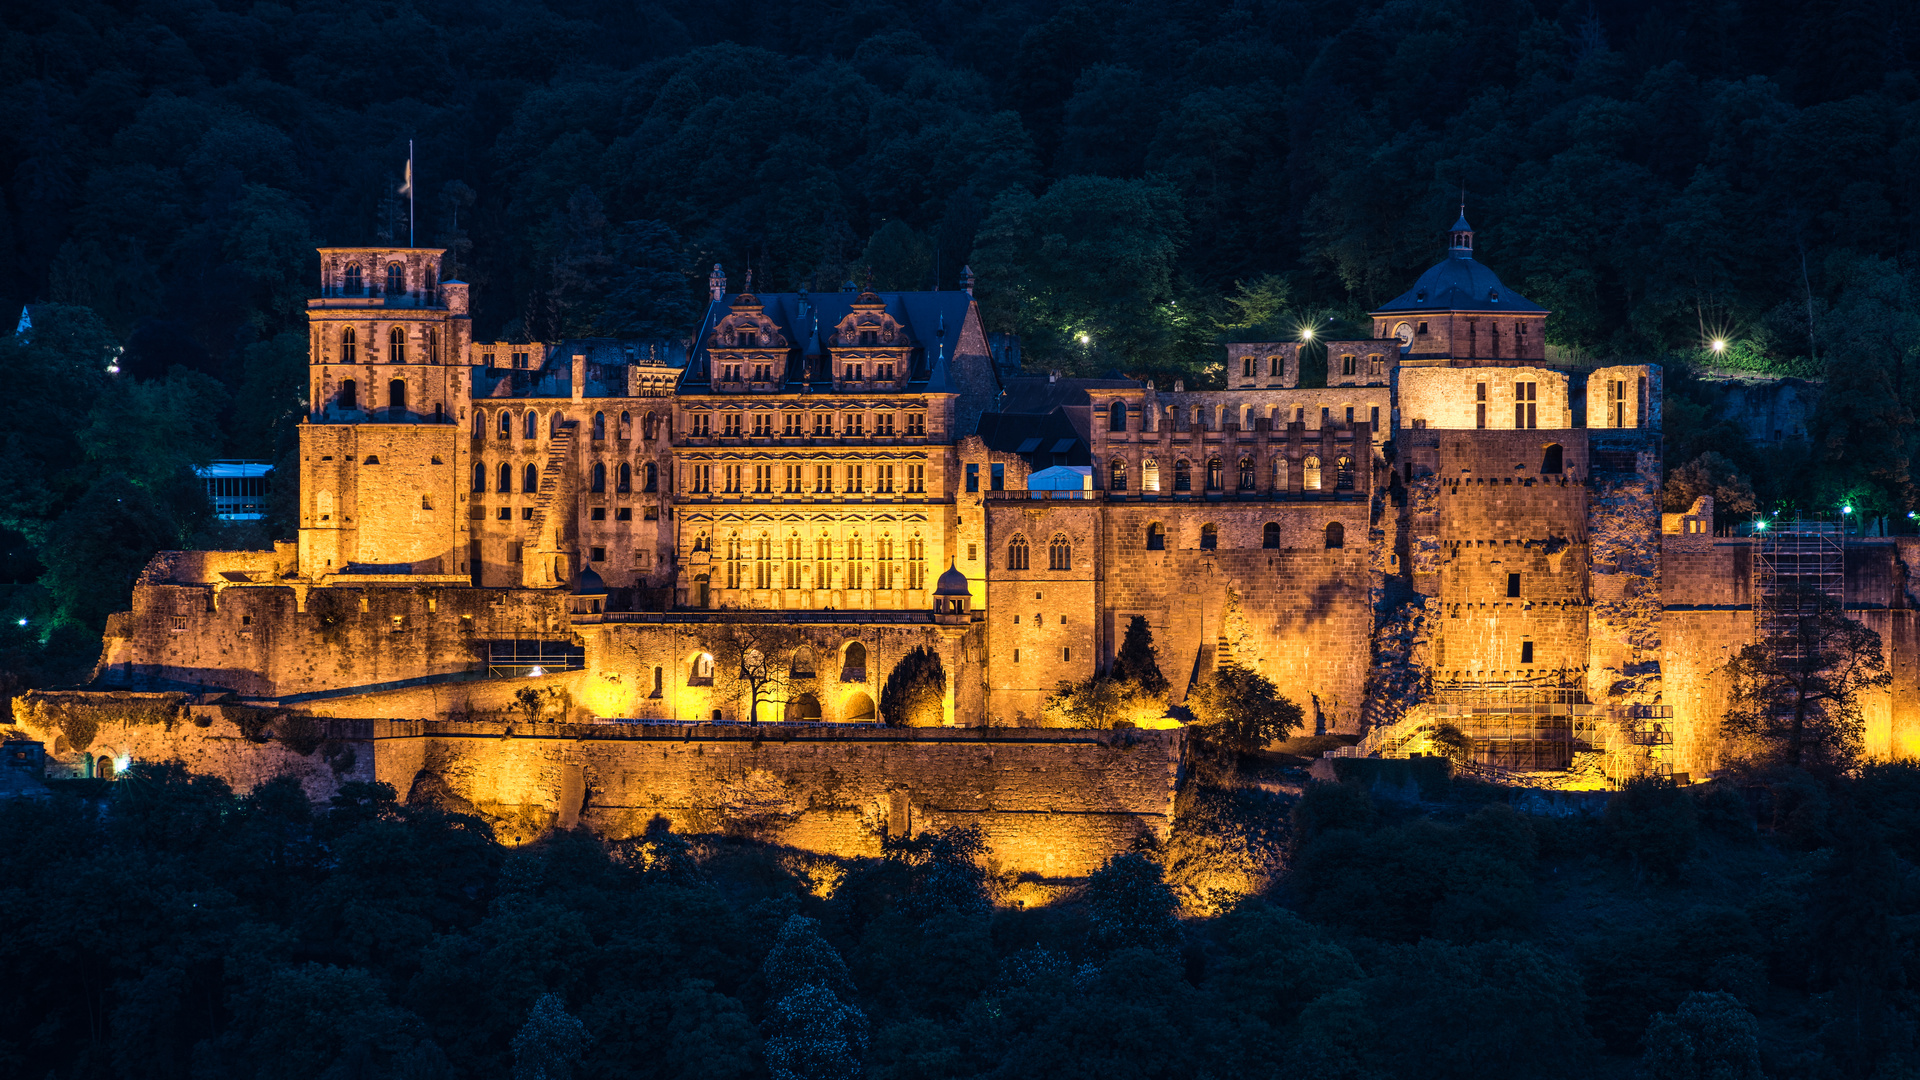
[763, 528]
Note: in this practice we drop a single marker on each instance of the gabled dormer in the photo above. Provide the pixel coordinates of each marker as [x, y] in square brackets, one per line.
[870, 349]
[746, 349]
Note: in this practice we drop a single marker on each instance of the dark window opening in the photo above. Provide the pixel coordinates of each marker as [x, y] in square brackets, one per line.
[1513, 585]
[1270, 535]
[1550, 459]
[1336, 535]
[1526, 652]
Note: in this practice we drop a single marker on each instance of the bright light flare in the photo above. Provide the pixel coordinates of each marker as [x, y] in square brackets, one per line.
[1719, 345]
[536, 672]
[1086, 339]
[1306, 333]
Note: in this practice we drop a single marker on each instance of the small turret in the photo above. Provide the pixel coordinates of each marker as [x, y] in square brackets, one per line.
[1460, 244]
[717, 284]
[951, 596]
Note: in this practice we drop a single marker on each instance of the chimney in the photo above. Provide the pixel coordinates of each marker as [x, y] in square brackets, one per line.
[1053, 376]
[579, 376]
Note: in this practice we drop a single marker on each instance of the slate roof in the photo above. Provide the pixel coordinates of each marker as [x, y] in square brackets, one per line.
[1458, 283]
[1038, 437]
[933, 321]
[1038, 394]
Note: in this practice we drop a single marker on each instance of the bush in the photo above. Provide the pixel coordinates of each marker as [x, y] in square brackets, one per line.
[1651, 823]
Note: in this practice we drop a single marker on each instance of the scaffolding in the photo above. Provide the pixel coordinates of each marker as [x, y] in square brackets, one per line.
[1798, 567]
[1526, 728]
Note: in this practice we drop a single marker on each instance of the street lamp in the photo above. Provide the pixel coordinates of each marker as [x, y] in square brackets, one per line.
[1306, 334]
[1719, 345]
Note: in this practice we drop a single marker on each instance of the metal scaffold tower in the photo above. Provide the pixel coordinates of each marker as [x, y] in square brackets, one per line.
[1797, 566]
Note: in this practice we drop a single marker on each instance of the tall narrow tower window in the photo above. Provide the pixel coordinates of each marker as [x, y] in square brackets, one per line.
[397, 397]
[353, 285]
[397, 346]
[349, 395]
[347, 346]
[396, 279]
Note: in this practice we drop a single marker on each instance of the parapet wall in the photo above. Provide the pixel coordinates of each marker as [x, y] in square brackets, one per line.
[1050, 803]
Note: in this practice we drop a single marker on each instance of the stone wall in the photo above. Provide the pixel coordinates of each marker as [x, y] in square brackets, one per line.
[1053, 804]
[1446, 397]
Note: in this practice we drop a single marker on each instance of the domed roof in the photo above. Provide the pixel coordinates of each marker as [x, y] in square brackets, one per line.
[951, 583]
[589, 584]
[1458, 283]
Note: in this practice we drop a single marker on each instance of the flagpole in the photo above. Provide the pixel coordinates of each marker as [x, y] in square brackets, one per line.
[409, 192]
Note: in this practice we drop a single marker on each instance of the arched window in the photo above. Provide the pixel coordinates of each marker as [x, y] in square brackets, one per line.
[430, 286]
[530, 478]
[1551, 458]
[348, 345]
[804, 710]
[354, 284]
[1059, 553]
[653, 477]
[396, 279]
[397, 396]
[1246, 474]
[1017, 553]
[479, 423]
[860, 709]
[853, 664]
[1156, 537]
[553, 424]
[701, 671]
[1279, 474]
[1118, 480]
[479, 478]
[506, 424]
[1270, 535]
[626, 478]
[1310, 474]
[1150, 475]
[626, 425]
[1216, 479]
[1336, 535]
[1209, 537]
[1117, 416]
[802, 663]
[1343, 473]
[433, 345]
[599, 477]
[599, 425]
[1182, 476]
[648, 424]
[506, 477]
[397, 345]
[349, 394]
[533, 424]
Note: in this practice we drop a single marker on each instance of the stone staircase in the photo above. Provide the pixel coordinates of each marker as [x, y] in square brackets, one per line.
[550, 513]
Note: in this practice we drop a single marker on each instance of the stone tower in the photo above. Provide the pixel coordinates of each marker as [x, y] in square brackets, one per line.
[387, 344]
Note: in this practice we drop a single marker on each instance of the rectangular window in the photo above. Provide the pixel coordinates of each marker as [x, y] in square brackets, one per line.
[526, 513]
[853, 373]
[916, 423]
[599, 513]
[793, 479]
[790, 425]
[916, 478]
[730, 424]
[1349, 414]
[823, 478]
[1066, 654]
[884, 474]
[856, 478]
[1513, 585]
[999, 479]
[506, 513]
[1526, 652]
[732, 476]
[763, 479]
[1016, 656]
[702, 424]
[1373, 416]
[598, 554]
[973, 478]
[702, 479]
[973, 552]
[762, 425]
[822, 425]
[625, 513]
[1524, 404]
[856, 423]
[883, 424]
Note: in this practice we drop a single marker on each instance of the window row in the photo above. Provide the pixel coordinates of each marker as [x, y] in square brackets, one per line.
[397, 347]
[356, 281]
[797, 425]
[529, 423]
[1216, 417]
[623, 476]
[817, 479]
[1060, 556]
[1059, 553]
[763, 561]
[346, 396]
[1246, 477]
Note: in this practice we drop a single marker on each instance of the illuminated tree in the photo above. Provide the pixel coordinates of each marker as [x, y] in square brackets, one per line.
[1240, 709]
[1798, 694]
[1138, 662]
[754, 660]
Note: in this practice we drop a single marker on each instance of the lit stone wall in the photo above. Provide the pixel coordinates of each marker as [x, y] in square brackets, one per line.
[1445, 397]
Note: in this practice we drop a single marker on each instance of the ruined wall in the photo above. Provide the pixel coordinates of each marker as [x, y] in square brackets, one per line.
[281, 640]
[1624, 526]
[380, 494]
[1499, 515]
[1447, 397]
[1299, 613]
